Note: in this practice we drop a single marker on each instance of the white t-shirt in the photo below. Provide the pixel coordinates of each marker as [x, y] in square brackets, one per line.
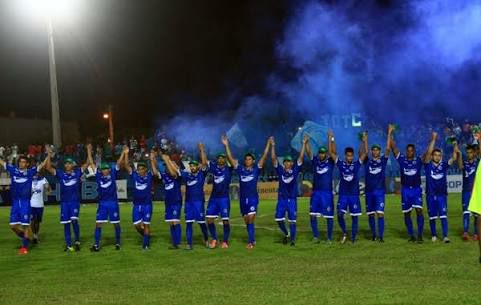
[37, 193]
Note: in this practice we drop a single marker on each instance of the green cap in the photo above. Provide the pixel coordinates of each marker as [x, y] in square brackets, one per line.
[250, 155]
[287, 158]
[68, 160]
[104, 165]
[141, 163]
[193, 162]
[376, 146]
[220, 155]
[322, 150]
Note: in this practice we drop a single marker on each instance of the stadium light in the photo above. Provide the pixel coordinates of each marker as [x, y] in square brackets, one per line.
[105, 116]
[48, 11]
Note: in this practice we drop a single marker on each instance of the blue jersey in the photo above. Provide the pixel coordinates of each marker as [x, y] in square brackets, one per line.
[322, 179]
[69, 184]
[469, 172]
[107, 186]
[173, 194]
[194, 185]
[248, 181]
[287, 182]
[349, 184]
[222, 179]
[142, 188]
[436, 178]
[376, 174]
[21, 187]
[410, 171]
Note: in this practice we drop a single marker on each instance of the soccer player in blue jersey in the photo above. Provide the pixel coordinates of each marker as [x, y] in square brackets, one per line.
[219, 201]
[108, 208]
[248, 176]
[69, 179]
[410, 166]
[468, 165]
[21, 191]
[173, 199]
[436, 170]
[142, 199]
[375, 178]
[194, 209]
[288, 174]
[349, 187]
[322, 199]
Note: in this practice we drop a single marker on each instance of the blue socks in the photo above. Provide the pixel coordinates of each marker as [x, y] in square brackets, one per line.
[189, 232]
[76, 230]
[226, 232]
[372, 224]
[314, 228]
[409, 224]
[203, 228]
[432, 225]
[212, 231]
[342, 223]
[444, 226]
[380, 227]
[420, 221]
[176, 234]
[282, 227]
[117, 233]
[330, 228]
[146, 240]
[98, 234]
[355, 225]
[250, 232]
[292, 228]
[66, 234]
[466, 222]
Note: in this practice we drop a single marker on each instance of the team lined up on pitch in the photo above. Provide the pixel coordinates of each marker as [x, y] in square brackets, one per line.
[26, 183]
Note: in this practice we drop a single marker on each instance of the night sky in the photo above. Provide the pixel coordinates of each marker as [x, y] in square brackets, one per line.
[150, 59]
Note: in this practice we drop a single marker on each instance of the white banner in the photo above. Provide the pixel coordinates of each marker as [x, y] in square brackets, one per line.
[122, 189]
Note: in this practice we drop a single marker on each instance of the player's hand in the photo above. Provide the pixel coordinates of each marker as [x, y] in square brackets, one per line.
[201, 146]
[330, 133]
[305, 139]
[364, 136]
[271, 141]
[153, 155]
[434, 136]
[224, 140]
[125, 149]
[390, 129]
[89, 147]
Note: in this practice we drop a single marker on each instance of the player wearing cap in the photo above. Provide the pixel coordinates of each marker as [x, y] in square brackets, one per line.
[288, 174]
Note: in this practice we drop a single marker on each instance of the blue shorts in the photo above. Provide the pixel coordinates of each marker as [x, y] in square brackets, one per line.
[69, 211]
[36, 214]
[218, 206]
[248, 206]
[20, 213]
[288, 206]
[194, 211]
[142, 213]
[108, 211]
[322, 204]
[349, 202]
[411, 197]
[375, 202]
[466, 197]
[172, 212]
[437, 206]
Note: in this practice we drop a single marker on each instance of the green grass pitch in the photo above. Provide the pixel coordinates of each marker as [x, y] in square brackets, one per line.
[396, 272]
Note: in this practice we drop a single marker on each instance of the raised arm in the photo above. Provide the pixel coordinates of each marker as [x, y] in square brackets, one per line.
[153, 163]
[203, 156]
[273, 152]
[172, 168]
[331, 145]
[460, 158]
[125, 162]
[90, 159]
[262, 160]
[364, 147]
[454, 156]
[305, 141]
[87, 162]
[428, 154]
[3, 163]
[121, 160]
[233, 162]
[48, 164]
[387, 151]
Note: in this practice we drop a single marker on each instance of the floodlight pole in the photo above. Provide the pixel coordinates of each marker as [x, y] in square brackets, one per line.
[56, 128]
